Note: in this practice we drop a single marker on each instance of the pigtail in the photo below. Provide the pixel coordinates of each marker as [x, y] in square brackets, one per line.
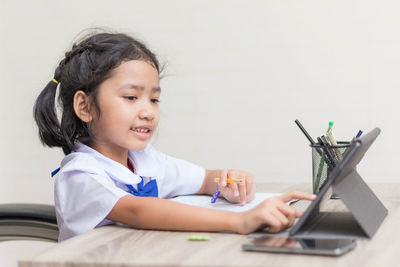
[44, 112]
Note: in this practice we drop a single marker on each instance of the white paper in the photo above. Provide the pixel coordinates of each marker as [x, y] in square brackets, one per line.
[222, 204]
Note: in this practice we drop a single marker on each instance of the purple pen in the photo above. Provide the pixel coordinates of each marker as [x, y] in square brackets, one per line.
[215, 196]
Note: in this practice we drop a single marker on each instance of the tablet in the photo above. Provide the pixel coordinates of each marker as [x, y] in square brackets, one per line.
[360, 213]
[325, 247]
[366, 212]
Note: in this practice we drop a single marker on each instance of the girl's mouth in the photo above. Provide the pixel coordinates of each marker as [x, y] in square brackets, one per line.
[142, 132]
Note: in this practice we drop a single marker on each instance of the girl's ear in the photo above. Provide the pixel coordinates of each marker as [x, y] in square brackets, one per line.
[82, 106]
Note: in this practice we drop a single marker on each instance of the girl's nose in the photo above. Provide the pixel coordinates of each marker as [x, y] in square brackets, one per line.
[146, 113]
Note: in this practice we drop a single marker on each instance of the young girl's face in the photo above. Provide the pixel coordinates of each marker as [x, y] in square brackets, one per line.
[129, 111]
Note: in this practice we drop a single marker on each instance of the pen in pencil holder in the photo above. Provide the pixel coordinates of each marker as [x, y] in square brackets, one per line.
[323, 163]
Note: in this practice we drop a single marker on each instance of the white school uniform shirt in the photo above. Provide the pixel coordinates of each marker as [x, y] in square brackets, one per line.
[89, 184]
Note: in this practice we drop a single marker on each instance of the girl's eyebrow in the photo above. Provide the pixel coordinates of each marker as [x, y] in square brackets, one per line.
[139, 87]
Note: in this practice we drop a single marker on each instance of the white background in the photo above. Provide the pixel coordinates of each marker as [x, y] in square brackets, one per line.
[238, 73]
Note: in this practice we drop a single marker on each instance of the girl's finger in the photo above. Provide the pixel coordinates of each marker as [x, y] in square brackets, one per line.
[242, 192]
[233, 175]
[296, 194]
[273, 222]
[281, 216]
[289, 212]
[248, 179]
[234, 188]
[283, 220]
[224, 176]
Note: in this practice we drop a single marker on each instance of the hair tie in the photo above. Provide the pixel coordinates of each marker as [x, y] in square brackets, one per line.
[55, 81]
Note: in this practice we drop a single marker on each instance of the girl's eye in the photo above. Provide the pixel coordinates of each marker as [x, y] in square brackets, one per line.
[155, 100]
[130, 97]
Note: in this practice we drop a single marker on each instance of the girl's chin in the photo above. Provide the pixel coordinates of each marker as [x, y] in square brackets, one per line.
[138, 146]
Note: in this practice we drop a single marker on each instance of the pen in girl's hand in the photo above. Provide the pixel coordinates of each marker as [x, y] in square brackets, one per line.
[228, 180]
[215, 196]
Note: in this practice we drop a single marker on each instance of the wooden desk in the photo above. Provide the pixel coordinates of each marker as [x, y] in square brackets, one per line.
[117, 246]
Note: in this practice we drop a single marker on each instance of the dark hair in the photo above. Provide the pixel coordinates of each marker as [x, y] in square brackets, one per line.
[89, 63]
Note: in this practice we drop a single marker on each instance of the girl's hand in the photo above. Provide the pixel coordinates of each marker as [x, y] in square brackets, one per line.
[272, 213]
[242, 192]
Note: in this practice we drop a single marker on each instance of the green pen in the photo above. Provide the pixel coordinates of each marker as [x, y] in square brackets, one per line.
[331, 138]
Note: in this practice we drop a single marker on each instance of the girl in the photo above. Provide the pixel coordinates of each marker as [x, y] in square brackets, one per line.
[109, 92]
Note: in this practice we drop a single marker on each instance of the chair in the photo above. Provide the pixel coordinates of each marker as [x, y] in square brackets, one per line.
[28, 222]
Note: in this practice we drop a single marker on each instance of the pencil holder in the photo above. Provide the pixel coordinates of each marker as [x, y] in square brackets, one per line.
[324, 158]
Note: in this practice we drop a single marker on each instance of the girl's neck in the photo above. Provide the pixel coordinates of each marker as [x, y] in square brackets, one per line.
[119, 155]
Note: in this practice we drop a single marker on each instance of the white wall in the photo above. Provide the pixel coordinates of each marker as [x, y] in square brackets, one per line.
[238, 74]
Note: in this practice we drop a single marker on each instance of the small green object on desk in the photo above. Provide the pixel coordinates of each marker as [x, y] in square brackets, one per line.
[198, 238]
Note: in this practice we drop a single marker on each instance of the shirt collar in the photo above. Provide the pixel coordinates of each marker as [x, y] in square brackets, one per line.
[146, 162]
[114, 169]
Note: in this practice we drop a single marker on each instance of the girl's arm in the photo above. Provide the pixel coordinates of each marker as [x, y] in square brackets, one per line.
[163, 214]
[235, 193]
